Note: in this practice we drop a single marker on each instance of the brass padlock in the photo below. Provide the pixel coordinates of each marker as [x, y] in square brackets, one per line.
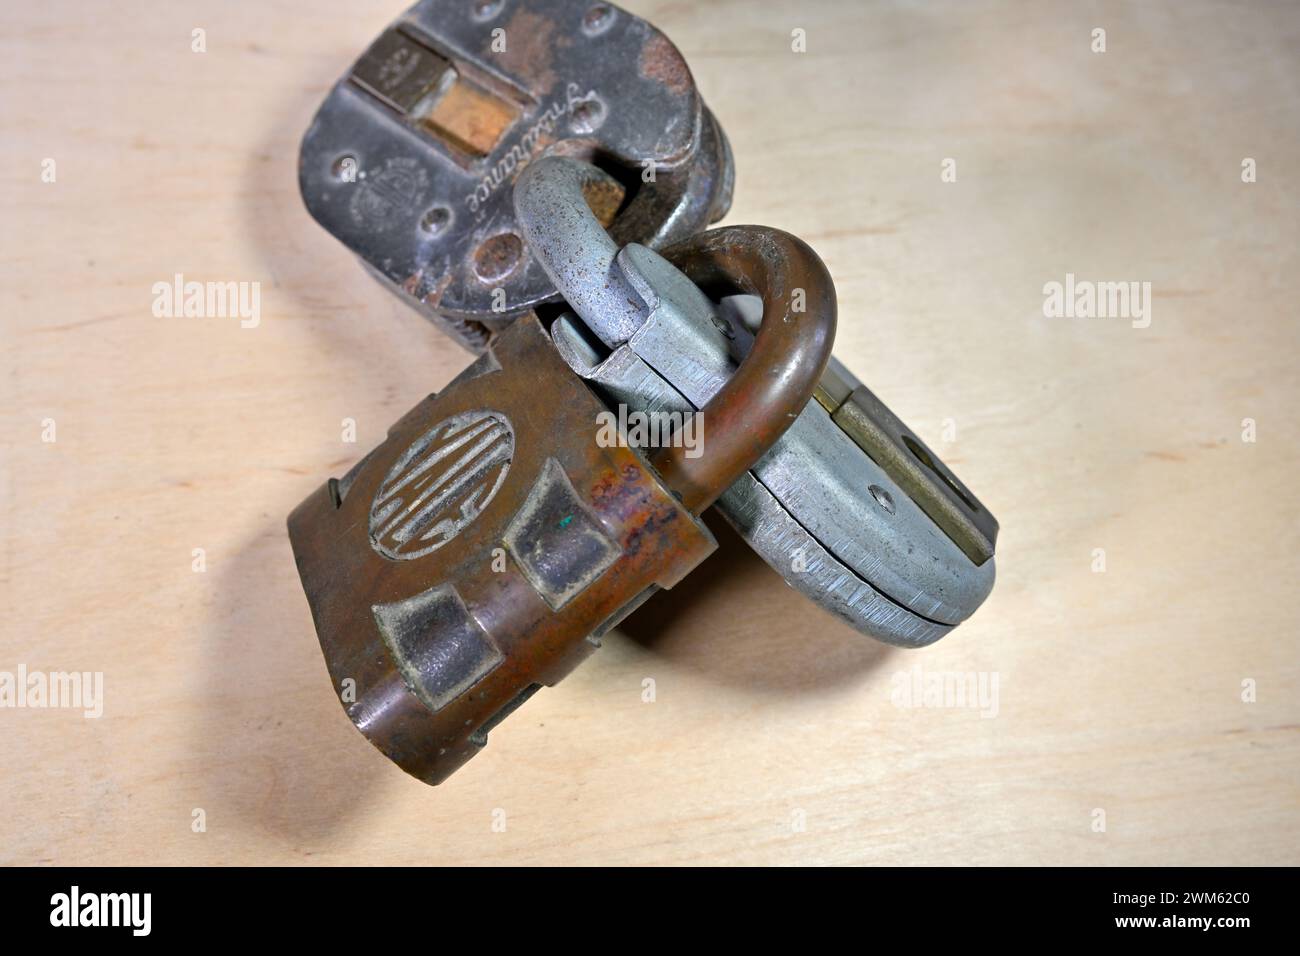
[484, 548]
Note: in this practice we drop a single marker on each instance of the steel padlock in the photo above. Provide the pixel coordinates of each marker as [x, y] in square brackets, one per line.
[850, 506]
[482, 550]
[411, 159]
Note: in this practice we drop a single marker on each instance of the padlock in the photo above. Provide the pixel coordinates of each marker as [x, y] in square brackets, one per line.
[849, 506]
[485, 547]
[411, 159]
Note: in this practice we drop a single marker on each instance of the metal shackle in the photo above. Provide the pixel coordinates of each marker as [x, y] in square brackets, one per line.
[781, 372]
[784, 366]
[573, 247]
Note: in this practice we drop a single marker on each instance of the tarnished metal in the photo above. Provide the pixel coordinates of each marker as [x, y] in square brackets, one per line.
[411, 159]
[847, 524]
[430, 648]
[578, 254]
[483, 549]
[892, 445]
[758, 403]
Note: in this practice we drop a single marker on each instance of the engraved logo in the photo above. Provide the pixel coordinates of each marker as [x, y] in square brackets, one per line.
[380, 198]
[440, 484]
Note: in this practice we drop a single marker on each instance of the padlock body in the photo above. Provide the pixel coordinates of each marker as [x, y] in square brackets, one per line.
[411, 158]
[481, 551]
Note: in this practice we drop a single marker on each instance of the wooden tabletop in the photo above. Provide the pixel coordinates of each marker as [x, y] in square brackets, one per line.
[1142, 635]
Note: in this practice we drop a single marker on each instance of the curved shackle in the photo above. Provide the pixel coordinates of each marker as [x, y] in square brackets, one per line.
[778, 376]
[573, 247]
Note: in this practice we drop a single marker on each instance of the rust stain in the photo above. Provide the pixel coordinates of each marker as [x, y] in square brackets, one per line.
[624, 496]
[529, 50]
[497, 256]
[604, 197]
[1165, 456]
[661, 61]
[434, 296]
[472, 118]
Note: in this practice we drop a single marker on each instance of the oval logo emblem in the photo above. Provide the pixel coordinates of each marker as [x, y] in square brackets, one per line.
[440, 484]
[379, 197]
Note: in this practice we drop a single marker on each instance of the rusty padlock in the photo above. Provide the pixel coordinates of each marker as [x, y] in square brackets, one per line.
[849, 506]
[411, 159]
[482, 550]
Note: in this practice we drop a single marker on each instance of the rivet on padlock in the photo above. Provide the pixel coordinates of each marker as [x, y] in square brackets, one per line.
[849, 506]
[483, 549]
[411, 159]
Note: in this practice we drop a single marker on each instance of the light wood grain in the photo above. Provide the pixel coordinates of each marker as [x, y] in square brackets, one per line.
[1118, 690]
